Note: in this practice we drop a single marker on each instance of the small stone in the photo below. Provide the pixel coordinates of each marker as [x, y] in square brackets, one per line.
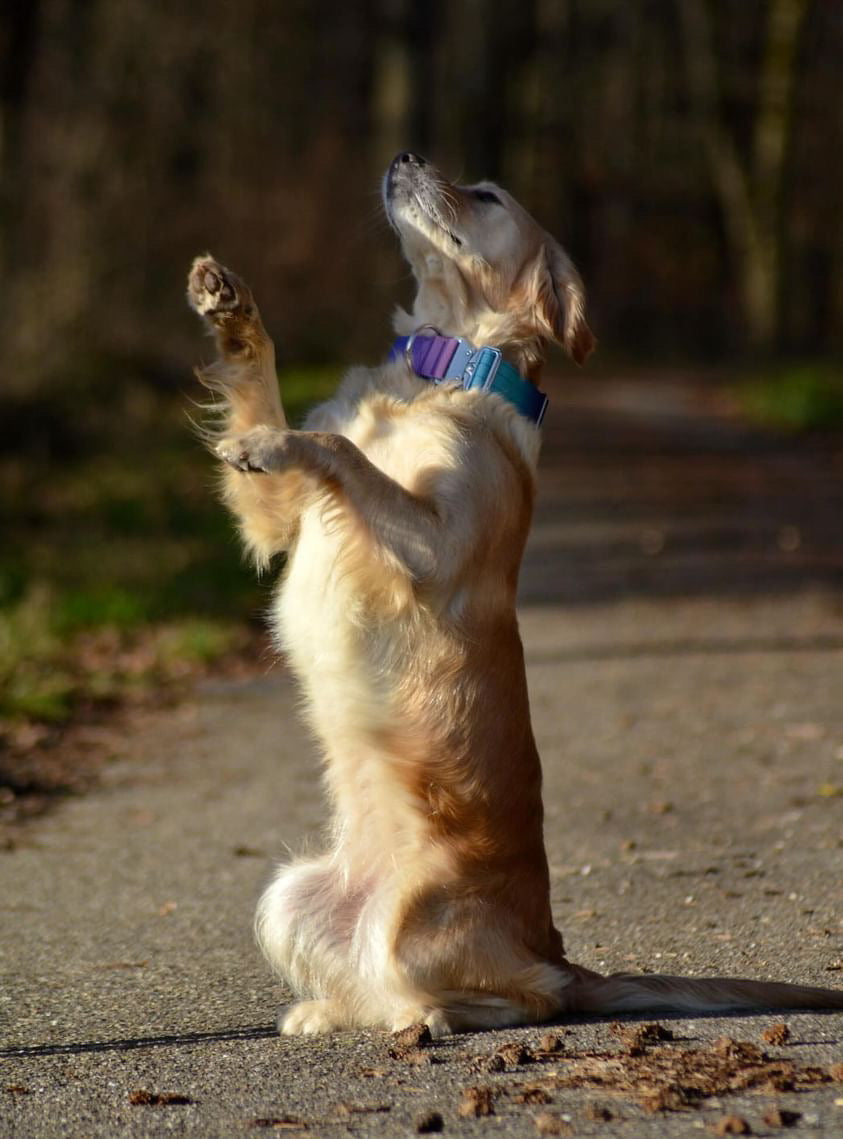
[550, 1042]
[598, 1113]
[836, 1072]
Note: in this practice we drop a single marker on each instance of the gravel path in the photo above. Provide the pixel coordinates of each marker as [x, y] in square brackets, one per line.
[683, 625]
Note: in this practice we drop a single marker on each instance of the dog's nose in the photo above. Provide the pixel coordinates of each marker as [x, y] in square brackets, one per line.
[407, 158]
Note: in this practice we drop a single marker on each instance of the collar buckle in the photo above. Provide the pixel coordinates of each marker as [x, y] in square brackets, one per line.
[481, 369]
[455, 361]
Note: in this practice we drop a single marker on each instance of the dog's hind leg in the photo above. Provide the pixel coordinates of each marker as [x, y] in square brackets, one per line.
[305, 926]
[536, 994]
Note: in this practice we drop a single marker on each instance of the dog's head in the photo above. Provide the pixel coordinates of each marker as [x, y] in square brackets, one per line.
[485, 269]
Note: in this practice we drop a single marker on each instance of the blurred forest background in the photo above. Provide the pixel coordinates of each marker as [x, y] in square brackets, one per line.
[687, 153]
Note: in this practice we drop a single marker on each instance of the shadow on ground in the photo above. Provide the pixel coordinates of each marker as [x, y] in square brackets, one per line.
[653, 487]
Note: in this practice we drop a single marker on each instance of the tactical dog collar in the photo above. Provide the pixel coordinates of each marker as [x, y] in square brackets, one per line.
[450, 359]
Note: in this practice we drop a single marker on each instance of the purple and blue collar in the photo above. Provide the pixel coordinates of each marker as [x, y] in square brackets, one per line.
[450, 359]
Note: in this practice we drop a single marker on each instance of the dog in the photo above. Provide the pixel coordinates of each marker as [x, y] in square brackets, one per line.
[403, 507]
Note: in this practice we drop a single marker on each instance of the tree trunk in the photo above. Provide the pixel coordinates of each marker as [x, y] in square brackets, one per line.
[749, 186]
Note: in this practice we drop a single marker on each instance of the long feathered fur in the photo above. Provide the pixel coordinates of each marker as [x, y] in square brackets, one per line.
[403, 508]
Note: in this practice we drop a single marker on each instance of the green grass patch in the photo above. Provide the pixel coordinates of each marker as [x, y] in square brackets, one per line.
[301, 388]
[49, 670]
[796, 397]
[119, 568]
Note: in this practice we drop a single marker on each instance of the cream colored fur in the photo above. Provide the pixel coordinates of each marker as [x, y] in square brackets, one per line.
[403, 508]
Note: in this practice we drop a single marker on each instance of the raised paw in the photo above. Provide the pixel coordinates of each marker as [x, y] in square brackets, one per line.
[216, 293]
[307, 1018]
[263, 449]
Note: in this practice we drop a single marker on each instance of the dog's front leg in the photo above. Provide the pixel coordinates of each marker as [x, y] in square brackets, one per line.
[408, 527]
[244, 379]
[244, 371]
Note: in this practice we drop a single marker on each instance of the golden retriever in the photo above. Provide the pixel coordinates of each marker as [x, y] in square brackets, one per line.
[403, 507]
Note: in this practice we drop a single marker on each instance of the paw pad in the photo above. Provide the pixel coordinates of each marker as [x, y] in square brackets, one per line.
[215, 283]
[215, 291]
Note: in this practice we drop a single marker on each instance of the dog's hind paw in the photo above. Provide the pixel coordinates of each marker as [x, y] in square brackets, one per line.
[216, 293]
[308, 1018]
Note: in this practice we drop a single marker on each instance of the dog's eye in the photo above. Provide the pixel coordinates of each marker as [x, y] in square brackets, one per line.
[486, 196]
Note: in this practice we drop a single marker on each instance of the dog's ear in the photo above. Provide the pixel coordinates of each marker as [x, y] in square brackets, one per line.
[559, 299]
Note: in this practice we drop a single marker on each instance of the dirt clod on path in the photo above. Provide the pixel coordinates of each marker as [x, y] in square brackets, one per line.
[652, 1069]
[476, 1102]
[410, 1045]
[776, 1034]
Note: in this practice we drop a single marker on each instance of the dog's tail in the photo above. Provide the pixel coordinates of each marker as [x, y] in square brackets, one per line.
[655, 992]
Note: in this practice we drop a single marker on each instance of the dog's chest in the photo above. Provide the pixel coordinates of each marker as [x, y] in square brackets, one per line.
[333, 615]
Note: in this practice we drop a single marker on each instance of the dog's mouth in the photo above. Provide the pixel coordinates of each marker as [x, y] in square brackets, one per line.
[416, 193]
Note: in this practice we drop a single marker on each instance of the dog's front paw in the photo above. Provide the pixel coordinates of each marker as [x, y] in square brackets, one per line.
[307, 1018]
[216, 293]
[263, 449]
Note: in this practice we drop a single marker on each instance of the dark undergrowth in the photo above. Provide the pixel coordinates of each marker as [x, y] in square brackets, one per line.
[120, 572]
